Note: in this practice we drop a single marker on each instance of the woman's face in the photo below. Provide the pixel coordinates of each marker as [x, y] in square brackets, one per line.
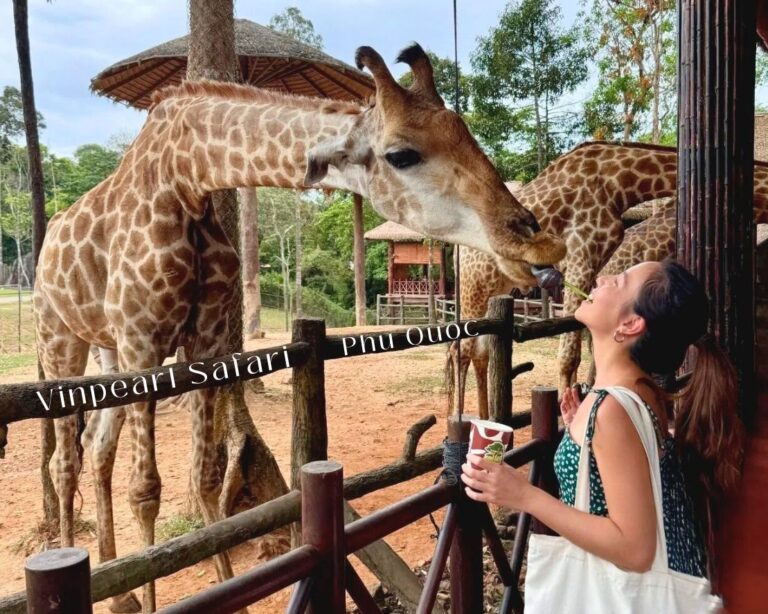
[613, 298]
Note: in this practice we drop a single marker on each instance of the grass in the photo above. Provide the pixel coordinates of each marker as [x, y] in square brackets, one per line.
[45, 536]
[9, 321]
[9, 362]
[13, 292]
[177, 525]
[273, 320]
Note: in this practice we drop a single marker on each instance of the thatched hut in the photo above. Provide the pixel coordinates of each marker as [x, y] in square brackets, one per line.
[267, 59]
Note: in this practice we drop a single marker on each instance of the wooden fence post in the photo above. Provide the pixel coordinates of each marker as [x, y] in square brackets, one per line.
[322, 525]
[544, 412]
[500, 360]
[466, 556]
[309, 435]
[59, 580]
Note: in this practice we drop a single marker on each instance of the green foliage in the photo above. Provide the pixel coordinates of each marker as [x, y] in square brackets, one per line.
[445, 81]
[522, 68]
[178, 525]
[633, 42]
[293, 23]
[12, 119]
[93, 164]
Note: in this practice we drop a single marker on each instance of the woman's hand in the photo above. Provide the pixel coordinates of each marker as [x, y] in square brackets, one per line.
[492, 483]
[569, 404]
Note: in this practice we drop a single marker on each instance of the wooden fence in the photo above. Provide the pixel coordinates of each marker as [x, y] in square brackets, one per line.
[412, 309]
[318, 567]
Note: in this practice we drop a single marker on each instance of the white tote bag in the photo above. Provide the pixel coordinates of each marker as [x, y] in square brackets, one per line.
[564, 579]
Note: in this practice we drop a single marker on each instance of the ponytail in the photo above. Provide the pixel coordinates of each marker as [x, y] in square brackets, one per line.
[709, 437]
[708, 432]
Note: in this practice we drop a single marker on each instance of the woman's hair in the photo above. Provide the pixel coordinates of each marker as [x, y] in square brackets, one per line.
[708, 433]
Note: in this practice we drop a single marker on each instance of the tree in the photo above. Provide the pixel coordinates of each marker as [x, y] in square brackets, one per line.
[20, 14]
[278, 219]
[633, 40]
[251, 474]
[444, 71]
[528, 58]
[12, 116]
[293, 23]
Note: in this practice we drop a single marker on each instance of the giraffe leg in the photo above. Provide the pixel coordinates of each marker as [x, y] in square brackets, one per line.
[144, 482]
[467, 347]
[206, 479]
[481, 373]
[569, 353]
[62, 354]
[102, 434]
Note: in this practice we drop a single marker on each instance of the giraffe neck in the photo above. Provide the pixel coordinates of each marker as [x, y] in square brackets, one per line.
[617, 176]
[760, 195]
[220, 143]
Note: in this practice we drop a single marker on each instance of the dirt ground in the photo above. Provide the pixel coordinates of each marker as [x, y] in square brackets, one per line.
[371, 402]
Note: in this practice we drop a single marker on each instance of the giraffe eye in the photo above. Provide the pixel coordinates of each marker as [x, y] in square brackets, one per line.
[403, 158]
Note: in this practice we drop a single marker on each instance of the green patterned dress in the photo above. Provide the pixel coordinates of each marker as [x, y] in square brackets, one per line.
[685, 547]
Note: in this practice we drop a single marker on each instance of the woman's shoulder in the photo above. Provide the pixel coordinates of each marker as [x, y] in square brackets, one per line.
[611, 420]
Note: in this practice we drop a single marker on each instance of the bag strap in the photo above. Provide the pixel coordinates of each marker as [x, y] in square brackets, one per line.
[643, 423]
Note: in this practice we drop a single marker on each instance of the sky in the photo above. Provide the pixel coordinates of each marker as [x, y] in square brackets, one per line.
[73, 40]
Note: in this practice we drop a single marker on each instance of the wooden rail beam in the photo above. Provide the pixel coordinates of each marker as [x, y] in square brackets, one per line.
[64, 397]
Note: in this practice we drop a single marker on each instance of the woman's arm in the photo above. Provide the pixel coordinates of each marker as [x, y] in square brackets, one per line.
[627, 537]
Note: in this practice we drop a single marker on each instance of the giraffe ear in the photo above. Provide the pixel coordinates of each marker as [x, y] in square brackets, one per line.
[337, 152]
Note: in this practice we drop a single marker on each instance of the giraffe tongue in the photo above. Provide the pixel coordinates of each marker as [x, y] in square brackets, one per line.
[547, 277]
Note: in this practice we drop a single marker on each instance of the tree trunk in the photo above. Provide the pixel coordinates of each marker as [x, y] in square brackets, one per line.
[47, 441]
[657, 68]
[249, 223]
[251, 475]
[430, 287]
[359, 259]
[298, 231]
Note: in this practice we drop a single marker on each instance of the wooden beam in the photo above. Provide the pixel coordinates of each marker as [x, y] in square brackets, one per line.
[359, 258]
[65, 397]
[254, 79]
[156, 86]
[314, 86]
[341, 84]
[151, 65]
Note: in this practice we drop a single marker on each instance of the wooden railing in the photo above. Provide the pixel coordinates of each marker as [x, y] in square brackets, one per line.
[412, 309]
[306, 354]
[414, 286]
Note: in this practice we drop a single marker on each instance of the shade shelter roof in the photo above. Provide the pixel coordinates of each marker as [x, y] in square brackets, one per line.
[267, 59]
[392, 231]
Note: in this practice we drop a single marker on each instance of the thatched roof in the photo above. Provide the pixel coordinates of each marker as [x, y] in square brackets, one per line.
[267, 59]
[392, 231]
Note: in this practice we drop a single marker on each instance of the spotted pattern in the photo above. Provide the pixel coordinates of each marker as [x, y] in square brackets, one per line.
[685, 546]
[580, 198]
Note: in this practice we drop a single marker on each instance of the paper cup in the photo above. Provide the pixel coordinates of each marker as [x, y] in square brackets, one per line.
[489, 439]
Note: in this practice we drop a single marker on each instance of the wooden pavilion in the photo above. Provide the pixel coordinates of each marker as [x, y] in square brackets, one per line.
[409, 283]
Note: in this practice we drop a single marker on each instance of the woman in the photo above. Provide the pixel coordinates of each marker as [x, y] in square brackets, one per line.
[642, 322]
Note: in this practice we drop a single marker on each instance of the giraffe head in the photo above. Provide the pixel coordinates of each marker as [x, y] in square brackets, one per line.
[423, 169]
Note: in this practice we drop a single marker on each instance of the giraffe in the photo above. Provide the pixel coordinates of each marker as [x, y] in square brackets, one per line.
[140, 264]
[579, 197]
